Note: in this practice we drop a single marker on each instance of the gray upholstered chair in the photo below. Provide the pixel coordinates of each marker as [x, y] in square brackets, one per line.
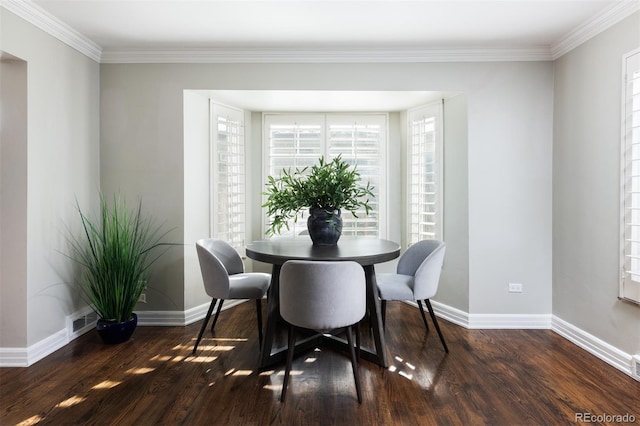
[322, 296]
[416, 278]
[224, 278]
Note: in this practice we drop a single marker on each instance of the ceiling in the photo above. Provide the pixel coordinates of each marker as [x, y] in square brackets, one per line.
[251, 31]
[314, 24]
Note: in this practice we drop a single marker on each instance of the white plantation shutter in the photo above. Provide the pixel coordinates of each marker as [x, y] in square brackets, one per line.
[630, 280]
[293, 142]
[228, 175]
[358, 140]
[424, 163]
[299, 140]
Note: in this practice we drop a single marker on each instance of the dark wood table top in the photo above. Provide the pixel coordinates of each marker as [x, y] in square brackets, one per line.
[364, 250]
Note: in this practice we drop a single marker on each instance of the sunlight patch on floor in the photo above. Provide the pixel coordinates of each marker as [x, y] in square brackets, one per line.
[292, 372]
[107, 384]
[405, 375]
[405, 369]
[215, 348]
[220, 339]
[272, 387]
[425, 378]
[70, 402]
[161, 358]
[234, 372]
[110, 384]
[31, 421]
[210, 347]
[199, 359]
[140, 370]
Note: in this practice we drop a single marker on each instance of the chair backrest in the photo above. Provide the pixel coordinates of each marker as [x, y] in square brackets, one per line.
[322, 295]
[423, 260]
[217, 260]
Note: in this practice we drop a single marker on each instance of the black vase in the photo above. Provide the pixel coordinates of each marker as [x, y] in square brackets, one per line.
[325, 227]
[116, 332]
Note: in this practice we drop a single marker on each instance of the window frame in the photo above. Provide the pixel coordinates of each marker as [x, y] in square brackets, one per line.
[431, 109]
[218, 109]
[629, 290]
[327, 118]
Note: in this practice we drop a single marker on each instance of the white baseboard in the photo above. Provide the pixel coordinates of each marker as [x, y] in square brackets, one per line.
[510, 321]
[180, 318]
[14, 357]
[448, 313]
[24, 357]
[590, 343]
[599, 348]
[489, 321]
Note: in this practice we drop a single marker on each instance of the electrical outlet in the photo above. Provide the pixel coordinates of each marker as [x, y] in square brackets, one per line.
[143, 296]
[515, 288]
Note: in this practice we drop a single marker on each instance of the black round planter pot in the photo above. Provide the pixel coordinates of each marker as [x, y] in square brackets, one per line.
[324, 227]
[116, 332]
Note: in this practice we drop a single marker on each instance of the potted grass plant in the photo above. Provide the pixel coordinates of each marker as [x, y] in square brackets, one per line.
[325, 189]
[115, 252]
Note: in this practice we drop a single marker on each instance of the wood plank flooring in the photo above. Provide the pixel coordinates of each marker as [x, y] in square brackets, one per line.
[490, 377]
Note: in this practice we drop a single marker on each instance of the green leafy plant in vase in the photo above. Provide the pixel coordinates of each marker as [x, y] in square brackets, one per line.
[325, 189]
[115, 252]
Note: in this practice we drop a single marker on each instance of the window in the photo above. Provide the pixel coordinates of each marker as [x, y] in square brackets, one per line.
[630, 280]
[298, 140]
[424, 180]
[227, 175]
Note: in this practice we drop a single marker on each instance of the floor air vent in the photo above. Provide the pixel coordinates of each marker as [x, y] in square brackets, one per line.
[80, 322]
[635, 367]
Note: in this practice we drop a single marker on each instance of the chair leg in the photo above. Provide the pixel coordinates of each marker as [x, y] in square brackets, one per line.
[290, 350]
[259, 314]
[204, 325]
[435, 323]
[215, 319]
[354, 364]
[358, 341]
[424, 319]
[383, 309]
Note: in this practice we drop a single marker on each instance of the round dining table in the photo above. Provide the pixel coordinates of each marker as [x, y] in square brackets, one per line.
[367, 251]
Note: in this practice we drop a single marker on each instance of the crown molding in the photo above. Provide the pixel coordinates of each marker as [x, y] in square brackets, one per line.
[42, 19]
[48, 23]
[335, 55]
[589, 29]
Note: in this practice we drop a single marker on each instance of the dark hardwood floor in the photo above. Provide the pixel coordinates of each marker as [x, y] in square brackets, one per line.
[490, 377]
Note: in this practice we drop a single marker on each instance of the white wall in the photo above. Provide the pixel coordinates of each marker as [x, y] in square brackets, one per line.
[510, 147]
[13, 201]
[509, 154]
[586, 197]
[142, 157]
[62, 164]
[196, 191]
[454, 281]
